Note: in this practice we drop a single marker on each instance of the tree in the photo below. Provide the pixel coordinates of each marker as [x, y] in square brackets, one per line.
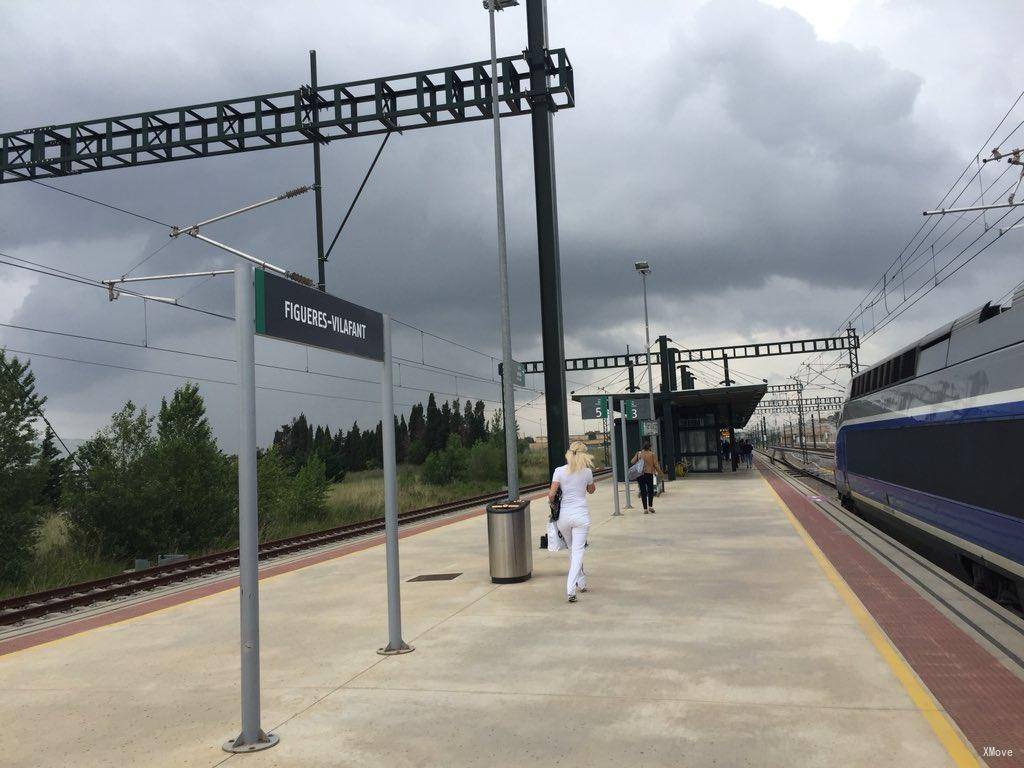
[112, 505]
[455, 425]
[416, 422]
[468, 431]
[193, 481]
[433, 436]
[479, 421]
[50, 468]
[295, 442]
[446, 422]
[20, 405]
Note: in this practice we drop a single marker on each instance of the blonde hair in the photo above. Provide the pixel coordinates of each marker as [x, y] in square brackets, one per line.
[578, 458]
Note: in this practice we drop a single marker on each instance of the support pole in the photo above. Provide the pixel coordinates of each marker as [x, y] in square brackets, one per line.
[317, 192]
[732, 439]
[252, 738]
[625, 458]
[814, 436]
[547, 236]
[611, 448]
[508, 397]
[395, 644]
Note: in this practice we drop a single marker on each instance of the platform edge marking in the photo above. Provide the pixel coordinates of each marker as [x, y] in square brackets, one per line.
[955, 745]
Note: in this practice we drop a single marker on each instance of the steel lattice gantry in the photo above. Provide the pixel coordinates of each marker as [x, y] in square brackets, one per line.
[707, 354]
[345, 110]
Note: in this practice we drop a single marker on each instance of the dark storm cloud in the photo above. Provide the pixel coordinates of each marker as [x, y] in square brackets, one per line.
[725, 143]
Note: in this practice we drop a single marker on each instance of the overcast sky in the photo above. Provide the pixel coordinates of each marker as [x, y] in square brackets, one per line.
[769, 159]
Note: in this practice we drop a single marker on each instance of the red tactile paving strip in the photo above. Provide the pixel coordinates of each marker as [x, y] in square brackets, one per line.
[982, 696]
[166, 601]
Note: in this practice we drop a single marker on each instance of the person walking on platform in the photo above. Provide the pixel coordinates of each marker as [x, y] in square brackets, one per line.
[748, 454]
[646, 480]
[575, 479]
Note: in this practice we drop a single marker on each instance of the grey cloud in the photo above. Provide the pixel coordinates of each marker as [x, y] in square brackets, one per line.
[725, 143]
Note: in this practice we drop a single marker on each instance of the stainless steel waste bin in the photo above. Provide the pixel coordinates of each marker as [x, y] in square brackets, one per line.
[509, 539]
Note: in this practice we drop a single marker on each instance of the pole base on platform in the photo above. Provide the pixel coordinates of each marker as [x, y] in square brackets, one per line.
[265, 741]
[389, 651]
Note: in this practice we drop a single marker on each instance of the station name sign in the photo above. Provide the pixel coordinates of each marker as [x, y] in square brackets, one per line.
[294, 312]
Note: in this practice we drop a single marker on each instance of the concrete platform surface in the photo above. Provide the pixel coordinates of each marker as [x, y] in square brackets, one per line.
[711, 636]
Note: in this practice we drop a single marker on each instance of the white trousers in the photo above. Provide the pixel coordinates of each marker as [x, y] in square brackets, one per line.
[574, 530]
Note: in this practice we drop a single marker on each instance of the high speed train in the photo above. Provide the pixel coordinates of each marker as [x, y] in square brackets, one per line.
[934, 438]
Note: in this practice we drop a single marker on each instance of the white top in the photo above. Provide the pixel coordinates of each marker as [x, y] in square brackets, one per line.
[574, 489]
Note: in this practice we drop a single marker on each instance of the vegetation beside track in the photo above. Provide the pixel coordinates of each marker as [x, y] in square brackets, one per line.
[155, 484]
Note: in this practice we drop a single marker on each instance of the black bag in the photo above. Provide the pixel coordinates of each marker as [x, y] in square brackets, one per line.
[556, 505]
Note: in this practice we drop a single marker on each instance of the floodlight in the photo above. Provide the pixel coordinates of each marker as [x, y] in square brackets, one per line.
[642, 267]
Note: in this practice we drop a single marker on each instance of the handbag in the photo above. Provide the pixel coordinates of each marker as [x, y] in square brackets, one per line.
[556, 505]
[636, 470]
[555, 540]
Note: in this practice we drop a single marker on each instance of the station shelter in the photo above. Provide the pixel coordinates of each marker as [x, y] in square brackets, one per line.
[691, 424]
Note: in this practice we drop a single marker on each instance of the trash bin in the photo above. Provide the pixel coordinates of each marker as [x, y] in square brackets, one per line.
[509, 538]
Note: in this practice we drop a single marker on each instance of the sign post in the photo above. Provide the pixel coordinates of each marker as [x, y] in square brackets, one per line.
[252, 738]
[614, 463]
[395, 644]
[294, 312]
[629, 413]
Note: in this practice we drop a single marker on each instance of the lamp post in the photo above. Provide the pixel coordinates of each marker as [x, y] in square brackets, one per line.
[644, 268]
[508, 402]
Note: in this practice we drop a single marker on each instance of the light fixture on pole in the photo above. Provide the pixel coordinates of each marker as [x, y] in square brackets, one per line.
[508, 402]
[644, 268]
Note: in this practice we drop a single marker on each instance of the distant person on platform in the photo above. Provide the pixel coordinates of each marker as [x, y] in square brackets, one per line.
[748, 454]
[646, 479]
[725, 450]
[575, 479]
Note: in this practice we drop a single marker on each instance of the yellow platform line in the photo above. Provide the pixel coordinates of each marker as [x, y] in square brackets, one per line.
[947, 734]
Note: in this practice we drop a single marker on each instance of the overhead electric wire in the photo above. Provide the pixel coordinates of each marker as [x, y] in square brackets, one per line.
[100, 202]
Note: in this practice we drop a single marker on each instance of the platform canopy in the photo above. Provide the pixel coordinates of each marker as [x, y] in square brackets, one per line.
[743, 399]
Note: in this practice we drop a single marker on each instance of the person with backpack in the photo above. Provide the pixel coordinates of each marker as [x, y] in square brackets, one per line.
[645, 480]
[572, 482]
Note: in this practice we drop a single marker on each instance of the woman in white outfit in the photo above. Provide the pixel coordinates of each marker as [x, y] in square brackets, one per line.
[575, 479]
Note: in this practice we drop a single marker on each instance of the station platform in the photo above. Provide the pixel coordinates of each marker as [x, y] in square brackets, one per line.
[715, 633]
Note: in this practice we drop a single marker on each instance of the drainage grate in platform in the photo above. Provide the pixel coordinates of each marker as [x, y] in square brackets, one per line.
[436, 577]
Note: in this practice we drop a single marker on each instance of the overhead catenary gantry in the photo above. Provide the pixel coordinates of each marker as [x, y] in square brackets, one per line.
[848, 342]
[286, 118]
[537, 82]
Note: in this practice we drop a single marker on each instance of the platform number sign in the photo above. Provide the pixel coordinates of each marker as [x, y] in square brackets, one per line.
[520, 374]
[594, 406]
[630, 411]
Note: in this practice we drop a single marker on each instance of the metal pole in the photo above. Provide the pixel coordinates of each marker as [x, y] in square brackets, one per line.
[800, 421]
[614, 462]
[395, 644]
[650, 377]
[252, 737]
[814, 436]
[508, 397]
[547, 235]
[317, 192]
[625, 458]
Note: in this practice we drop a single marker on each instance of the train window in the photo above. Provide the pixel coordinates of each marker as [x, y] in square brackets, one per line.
[908, 364]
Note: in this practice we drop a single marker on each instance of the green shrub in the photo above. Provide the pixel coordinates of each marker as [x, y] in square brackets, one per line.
[417, 452]
[486, 462]
[437, 469]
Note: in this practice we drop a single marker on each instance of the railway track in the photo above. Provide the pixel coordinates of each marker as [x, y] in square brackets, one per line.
[32, 606]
